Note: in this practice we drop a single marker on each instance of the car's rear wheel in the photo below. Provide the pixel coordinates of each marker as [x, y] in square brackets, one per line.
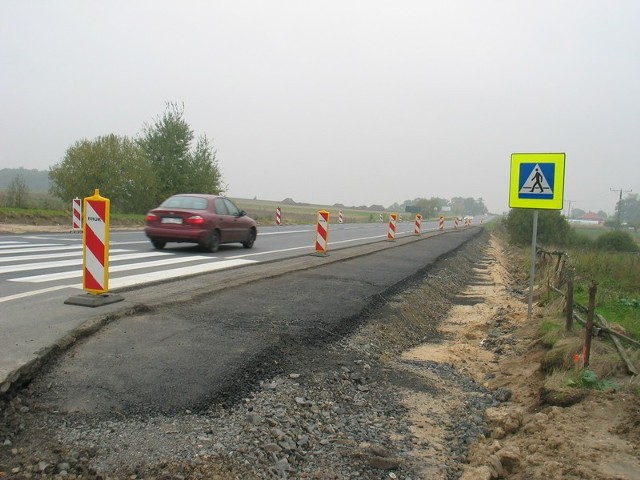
[158, 244]
[251, 238]
[214, 242]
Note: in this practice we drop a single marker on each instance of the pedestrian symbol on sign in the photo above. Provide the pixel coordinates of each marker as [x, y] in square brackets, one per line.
[536, 180]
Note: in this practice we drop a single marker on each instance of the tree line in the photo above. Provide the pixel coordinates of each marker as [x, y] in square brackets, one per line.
[457, 206]
[136, 174]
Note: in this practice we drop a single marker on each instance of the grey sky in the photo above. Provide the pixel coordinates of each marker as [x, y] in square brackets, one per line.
[353, 102]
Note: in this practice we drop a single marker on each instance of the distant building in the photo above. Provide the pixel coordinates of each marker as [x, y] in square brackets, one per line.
[588, 218]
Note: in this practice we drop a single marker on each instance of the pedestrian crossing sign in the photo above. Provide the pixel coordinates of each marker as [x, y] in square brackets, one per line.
[537, 181]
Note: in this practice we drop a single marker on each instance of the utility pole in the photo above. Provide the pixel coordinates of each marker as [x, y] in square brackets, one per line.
[569, 208]
[620, 203]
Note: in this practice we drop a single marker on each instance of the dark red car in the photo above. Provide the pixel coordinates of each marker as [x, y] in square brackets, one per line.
[208, 220]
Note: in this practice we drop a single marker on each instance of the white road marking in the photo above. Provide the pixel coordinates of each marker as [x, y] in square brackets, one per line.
[77, 261]
[176, 272]
[18, 296]
[284, 232]
[50, 277]
[31, 246]
[20, 258]
[141, 279]
[129, 243]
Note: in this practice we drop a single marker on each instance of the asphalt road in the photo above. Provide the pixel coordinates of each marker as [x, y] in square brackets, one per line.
[193, 341]
[39, 272]
[50, 265]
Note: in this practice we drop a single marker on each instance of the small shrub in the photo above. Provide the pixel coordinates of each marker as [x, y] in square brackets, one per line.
[616, 241]
[588, 379]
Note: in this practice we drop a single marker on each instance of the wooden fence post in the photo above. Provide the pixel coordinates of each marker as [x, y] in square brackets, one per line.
[570, 279]
[589, 328]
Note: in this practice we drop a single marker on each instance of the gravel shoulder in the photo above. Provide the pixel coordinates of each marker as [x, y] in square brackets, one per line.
[440, 381]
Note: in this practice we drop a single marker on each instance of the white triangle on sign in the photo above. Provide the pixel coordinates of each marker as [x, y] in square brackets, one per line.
[536, 183]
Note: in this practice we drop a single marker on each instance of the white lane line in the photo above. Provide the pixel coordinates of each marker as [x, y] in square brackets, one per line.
[30, 246]
[50, 247]
[12, 243]
[20, 258]
[18, 296]
[130, 243]
[50, 277]
[358, 239]
[260, 234]
[175, 273]
[143, 278]
[25, 267]
[310, 247]
[244, 255]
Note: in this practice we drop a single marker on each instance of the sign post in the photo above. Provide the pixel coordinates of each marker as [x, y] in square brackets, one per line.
[537, 182]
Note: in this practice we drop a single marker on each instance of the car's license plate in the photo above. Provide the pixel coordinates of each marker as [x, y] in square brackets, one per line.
[172, 220]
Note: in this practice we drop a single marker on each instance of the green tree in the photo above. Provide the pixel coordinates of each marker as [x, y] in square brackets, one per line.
[428, 207]
[167, 146]
[468, 206]
[204, 173]
[629, 209]
[18, 192]
[113, 164]
[553, 229]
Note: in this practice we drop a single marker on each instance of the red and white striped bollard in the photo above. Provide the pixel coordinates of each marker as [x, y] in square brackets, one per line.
[322, 233]
[418, 225]
[391, 232]
[95, 272]
[76, 221]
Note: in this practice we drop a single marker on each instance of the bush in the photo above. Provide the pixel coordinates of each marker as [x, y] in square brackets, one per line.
[616, 241]
[553, 229]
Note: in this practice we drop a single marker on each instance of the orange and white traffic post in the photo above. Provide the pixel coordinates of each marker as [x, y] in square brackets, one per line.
[278, 216]
[95, 254]
[455, 222]
[76, 220]
[441, 223]
[418, 225]
[322, 233]
[391, 231]
[340, 217]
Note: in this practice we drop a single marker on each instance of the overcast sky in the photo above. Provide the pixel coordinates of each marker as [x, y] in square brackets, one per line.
[354, 102]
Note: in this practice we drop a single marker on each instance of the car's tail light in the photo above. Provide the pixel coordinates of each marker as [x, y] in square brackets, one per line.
[151, 217]
[195, 220]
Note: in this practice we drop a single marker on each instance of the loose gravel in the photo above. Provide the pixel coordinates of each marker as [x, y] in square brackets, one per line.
[331, 411]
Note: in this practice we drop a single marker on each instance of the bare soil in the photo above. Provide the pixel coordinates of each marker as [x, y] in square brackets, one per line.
[596, 438]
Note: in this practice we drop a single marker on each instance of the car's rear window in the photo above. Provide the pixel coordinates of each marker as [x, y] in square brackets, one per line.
[191, 203]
